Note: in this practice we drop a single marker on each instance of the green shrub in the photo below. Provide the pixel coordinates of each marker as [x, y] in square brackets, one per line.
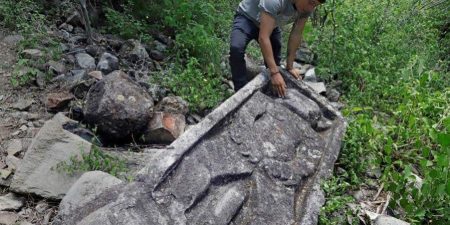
[396, 86]
[201, 89]
[125, 25]
[96, 159]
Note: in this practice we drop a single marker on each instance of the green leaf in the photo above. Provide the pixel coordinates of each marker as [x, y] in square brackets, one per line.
[443, 160]
[441, 189]
[448, 188]
[443, 139]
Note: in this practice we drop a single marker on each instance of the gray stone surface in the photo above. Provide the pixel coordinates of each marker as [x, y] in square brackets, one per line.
[13, 39]
[108, 63]
[310, 75]
[37, 173]
[254, 160]
[8, 218]
[10, 202]
[23, 104]
[134, 50]
[56, 68]
[173, 104]
[14, 146]
[388, 220]
[85, 61]
[318, 87]
[32, 53]
[86, 189]
[333, 95]
[118, 106]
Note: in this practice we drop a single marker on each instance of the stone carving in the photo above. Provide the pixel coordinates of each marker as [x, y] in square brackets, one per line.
[254, 160]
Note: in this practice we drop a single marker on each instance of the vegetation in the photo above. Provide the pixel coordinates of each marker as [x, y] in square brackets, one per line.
[26, 17]
[95, 159]
[201, 41]
[391, 56]
[393, 61]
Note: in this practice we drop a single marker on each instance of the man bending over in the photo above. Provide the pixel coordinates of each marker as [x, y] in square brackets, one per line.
[261, 20]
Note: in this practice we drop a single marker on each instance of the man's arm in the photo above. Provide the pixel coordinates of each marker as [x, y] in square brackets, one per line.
[295, 39]
[267, 25]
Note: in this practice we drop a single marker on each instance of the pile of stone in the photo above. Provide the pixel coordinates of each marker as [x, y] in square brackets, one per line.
[106, 85]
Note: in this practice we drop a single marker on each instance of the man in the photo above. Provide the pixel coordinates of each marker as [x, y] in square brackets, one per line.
[261, 20]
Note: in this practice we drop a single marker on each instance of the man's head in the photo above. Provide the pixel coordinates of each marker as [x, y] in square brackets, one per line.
[307, 6]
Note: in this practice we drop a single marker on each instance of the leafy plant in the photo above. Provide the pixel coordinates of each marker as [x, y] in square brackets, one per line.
[396, 86]
[95, 159]
[23, 74]
[202, 90]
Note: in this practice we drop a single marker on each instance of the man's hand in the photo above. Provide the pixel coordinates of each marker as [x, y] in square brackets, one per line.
[278, 84]
[295, 73]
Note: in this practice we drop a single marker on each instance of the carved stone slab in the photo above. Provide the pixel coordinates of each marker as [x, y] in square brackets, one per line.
[255, 160]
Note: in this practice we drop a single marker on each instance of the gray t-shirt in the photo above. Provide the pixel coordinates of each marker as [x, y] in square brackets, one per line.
[282, 10]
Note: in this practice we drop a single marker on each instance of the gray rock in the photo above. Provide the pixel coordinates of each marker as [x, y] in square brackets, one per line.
[333, 95]
[63, 47]
[161, 44]
[10, 202]
[85, 61]
[323, 124]
[14, 146]
[13, 40]
[337, 105]
[12, 162]
[318, 87]
[80, 83]
[118, 106]
[56, 68]
[95, 50]
[66, 27]
[4, 173]
[304, 54]
[134, 51]
[157, 55]
[310, 75]
[253, 68]
[302, 105]
[164, 128]
[24, 222]
[8, 218]
[38, 173]
[156, 92]
[96, 74]
[387, 220]
[23, 104]
[32, 53]
[108, 63]
[173, 104]
[41, 79]
[84, 190]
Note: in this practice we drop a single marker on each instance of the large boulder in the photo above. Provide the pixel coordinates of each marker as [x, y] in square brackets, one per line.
[38, 173]
[118, 106]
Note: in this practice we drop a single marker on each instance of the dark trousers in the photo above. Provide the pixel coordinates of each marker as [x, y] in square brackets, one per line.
[243, 31]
